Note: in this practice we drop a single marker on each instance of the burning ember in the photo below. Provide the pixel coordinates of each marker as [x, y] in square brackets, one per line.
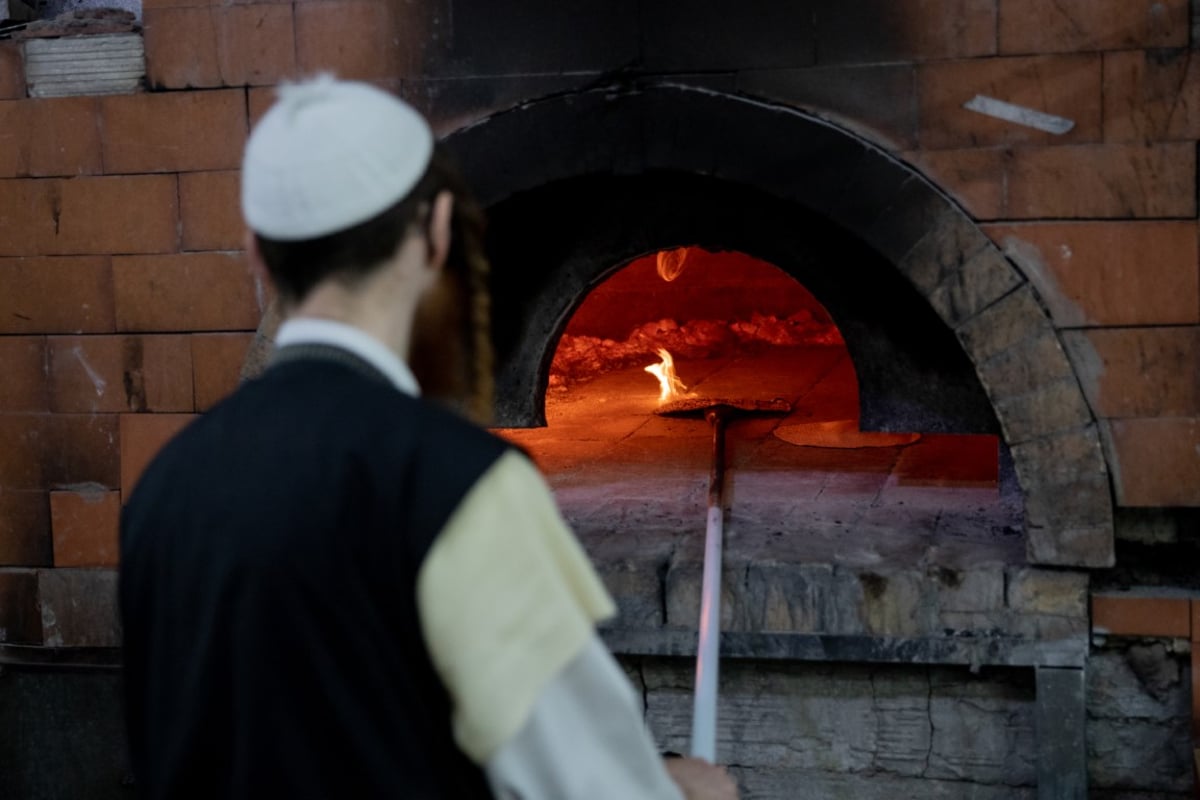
[579, 358]
[670, 263]
[668, 382]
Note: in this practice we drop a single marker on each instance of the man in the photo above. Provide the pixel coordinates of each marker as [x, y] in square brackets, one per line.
[334, 588]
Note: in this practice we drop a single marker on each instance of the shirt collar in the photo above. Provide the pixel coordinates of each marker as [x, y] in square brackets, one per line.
[308, 330]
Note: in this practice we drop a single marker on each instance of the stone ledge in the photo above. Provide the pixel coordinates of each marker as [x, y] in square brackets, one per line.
[959, 651]
[848, 581]
[973, 652]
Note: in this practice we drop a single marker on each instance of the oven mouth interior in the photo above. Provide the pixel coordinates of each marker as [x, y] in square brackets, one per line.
[803, 487]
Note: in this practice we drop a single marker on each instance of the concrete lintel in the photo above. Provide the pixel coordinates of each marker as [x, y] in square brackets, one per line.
[964, 651]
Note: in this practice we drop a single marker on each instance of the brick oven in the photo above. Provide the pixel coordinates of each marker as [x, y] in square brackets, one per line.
[958, 236]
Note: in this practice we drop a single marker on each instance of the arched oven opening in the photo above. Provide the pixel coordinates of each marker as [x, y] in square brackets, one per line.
[888, 467]
[551, 246]
[945, 332]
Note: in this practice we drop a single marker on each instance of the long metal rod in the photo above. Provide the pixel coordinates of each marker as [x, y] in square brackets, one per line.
[704, 708]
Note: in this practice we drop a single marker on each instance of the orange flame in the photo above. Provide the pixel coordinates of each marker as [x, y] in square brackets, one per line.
[668, 382]
[670, 263]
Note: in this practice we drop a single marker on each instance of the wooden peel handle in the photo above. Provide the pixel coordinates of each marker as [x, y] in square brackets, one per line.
[704, 707]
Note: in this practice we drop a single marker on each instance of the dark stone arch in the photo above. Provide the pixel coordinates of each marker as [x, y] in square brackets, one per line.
[844, 181]
[912, 372]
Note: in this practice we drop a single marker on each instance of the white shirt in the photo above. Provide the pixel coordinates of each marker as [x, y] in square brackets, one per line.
[310, 330]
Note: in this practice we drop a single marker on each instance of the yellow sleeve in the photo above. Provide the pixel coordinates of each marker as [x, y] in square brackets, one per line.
[507, 598]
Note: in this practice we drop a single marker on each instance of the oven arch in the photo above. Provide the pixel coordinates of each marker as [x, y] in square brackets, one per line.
[932, 246]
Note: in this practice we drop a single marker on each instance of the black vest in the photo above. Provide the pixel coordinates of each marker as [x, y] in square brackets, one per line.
[268, 567]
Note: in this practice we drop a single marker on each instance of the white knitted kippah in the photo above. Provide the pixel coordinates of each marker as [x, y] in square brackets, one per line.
[328, 155]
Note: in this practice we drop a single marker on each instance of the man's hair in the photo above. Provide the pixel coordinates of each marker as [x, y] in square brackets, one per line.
[451, 352]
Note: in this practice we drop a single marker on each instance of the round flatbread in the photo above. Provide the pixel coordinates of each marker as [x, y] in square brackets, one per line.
[842, 434]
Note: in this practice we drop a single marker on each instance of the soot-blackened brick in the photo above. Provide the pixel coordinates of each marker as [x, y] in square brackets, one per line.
[975, 178]
[1052, 408]
[982, 280]
[953, 239]
[871, 99]
[79, 607]
[20, 620]
[468, 37]
[999, 326]
[24, 529]
[697, 35]
[904, 30]
[451, 103]
[908, 206]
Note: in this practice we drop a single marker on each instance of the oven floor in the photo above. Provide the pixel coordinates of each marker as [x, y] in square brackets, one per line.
[626, 476]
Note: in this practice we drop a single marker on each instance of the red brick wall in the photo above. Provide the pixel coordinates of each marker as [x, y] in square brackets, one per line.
[125, 306]
[1102, 219]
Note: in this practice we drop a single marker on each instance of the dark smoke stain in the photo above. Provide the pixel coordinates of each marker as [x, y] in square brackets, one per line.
[55, 206]
[948, 577]
[133, 376]
[874, 585]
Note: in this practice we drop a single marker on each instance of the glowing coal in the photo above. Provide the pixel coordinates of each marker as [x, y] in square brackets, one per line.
[579, 358]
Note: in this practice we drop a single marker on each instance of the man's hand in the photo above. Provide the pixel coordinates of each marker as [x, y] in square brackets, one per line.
[700, 780]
